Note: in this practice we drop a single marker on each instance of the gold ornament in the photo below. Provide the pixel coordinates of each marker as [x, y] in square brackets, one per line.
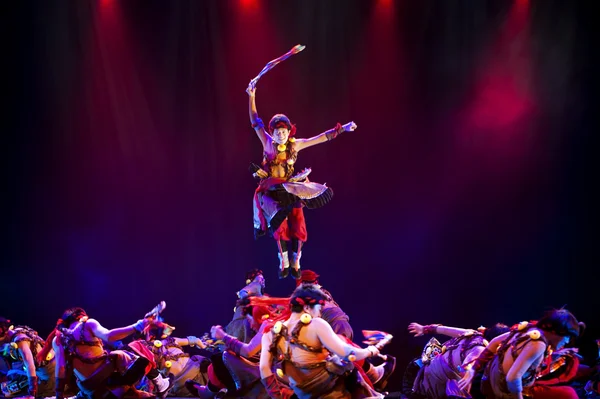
[157, 343]
[522, 325]
[280, 373]
[281, 147]
[277, 327]
[534, 334]
[305, 318]
[292, 140]
[168, 364]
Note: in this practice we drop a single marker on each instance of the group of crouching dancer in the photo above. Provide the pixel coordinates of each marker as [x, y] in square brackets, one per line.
[287, 350]
[296, 347]
[78, 358]
[528, 360]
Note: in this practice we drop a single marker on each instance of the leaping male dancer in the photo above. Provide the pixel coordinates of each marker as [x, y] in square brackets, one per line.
[280, 196]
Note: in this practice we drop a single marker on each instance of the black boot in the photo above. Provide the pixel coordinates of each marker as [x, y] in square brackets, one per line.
[295, 261]
[208, 391]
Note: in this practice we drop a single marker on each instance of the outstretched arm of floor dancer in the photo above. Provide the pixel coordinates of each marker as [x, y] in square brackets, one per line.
[326, 136]
[190, 341]
[335, 344]
[116, 333]
[419, 330]
[257, 123]
[242, 349]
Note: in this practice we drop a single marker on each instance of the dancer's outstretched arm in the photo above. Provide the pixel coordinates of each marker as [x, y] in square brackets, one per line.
[326, 136]
[418, 330]
[116, 333]
[335, 344]
[239, 348]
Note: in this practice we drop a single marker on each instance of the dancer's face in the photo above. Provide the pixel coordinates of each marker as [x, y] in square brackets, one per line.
[557, 341]
[280, 135]
[562, 342]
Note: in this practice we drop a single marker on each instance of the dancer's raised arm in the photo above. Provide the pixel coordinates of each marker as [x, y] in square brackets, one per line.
[257, 123]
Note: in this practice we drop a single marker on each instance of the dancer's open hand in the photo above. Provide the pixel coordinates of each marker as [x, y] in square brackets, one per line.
[465, 382]
[415, 328]
[197, 342]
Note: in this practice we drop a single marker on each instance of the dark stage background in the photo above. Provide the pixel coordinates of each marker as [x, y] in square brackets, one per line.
[465, 196]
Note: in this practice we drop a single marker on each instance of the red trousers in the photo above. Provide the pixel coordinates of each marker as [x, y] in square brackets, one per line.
[293, 227]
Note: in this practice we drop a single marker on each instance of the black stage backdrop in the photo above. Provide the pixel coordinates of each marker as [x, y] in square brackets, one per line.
[465, 196]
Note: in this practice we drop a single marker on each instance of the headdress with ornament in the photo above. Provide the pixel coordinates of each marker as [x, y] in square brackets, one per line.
[4, 326]
[267, 308]
[69, 317]
[561, 322]
[307, 295]
[251, 275]
[280, 120]
[309, 277]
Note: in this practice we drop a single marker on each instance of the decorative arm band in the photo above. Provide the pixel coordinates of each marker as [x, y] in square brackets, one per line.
[430, 329]
[258, 123]
[139, 326]
[233, 344]
[372, 350]
[333, 133]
